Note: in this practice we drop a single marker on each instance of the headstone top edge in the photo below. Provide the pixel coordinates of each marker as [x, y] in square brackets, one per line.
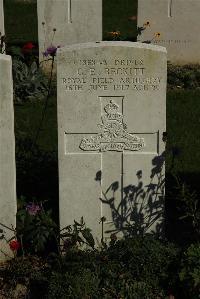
[5, 57]
[136, 45]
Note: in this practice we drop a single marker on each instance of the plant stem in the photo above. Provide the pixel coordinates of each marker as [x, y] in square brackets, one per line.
[46, 103]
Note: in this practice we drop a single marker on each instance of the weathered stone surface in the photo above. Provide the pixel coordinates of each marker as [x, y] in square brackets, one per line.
[75, 21]
[178, 23]
[7, 154]
[111, 117]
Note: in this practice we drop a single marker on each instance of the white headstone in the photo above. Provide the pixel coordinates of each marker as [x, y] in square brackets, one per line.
[177, 22]
[111, 117]
[7, 154]
[75, 21]
[2, 31]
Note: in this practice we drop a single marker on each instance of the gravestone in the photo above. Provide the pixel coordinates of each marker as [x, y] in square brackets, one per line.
[1, 18]
[7, 155]
[75, 21]
[173, 24]
[111, 117]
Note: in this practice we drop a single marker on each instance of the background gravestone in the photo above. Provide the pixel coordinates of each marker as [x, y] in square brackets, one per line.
[7, 152]
[1, 18]
[111, 117]
[2, 30]
[75, 21]
[177, 22]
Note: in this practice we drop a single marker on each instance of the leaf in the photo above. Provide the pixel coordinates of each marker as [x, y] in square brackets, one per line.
[16, 51]
[88, 237]
[33, 68]
[98, 175]
[78, 224]
[115, 186]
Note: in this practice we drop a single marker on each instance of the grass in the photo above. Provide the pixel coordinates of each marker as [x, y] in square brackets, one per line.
[20, 22]
[27, 121]
[183, 124]
[117, 16]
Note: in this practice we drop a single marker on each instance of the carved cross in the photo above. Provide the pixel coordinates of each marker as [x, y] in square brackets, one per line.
[112, 143]
[170, 2]
[69, 11]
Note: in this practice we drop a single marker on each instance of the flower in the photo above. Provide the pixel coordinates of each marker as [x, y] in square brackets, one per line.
[51, 51]
[14, 245]
[33, 209]
[157, 35]
[27, 48]
[147, 24]
[114, 33]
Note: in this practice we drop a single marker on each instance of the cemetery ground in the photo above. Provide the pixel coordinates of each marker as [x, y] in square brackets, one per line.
[137, 267]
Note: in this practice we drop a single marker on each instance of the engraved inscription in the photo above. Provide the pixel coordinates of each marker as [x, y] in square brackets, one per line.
[110, 75]
[113, 134]
[172, 41]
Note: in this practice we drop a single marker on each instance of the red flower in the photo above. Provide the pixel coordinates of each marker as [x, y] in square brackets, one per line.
[27, 48]
[14, 245]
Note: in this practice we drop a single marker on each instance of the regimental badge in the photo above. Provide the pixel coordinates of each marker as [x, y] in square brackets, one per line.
[113, 135]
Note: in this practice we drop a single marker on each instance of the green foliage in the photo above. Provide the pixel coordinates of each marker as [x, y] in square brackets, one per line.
[28, 80]
[26, 272]
[190, 272]
[189, 205]
[187, 199]
[76, 234]
[120, 16]
[35, 227]
[22, 28]
[146, 260]
[37, 173]
[132, 268]
[82, 284]
[187, 76]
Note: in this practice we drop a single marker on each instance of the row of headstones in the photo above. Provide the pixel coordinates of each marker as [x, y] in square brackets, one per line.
[110, 126]
[175, 27]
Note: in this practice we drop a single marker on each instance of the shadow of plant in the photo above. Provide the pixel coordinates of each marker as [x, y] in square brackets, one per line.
[141, 207]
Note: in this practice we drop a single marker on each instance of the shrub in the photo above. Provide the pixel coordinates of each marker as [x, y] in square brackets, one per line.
[190, 272]
[132, 268]
[147, 260]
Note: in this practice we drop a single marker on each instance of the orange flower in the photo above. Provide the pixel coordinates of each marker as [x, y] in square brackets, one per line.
[114, 33]
[147, 24]
[157, 35]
